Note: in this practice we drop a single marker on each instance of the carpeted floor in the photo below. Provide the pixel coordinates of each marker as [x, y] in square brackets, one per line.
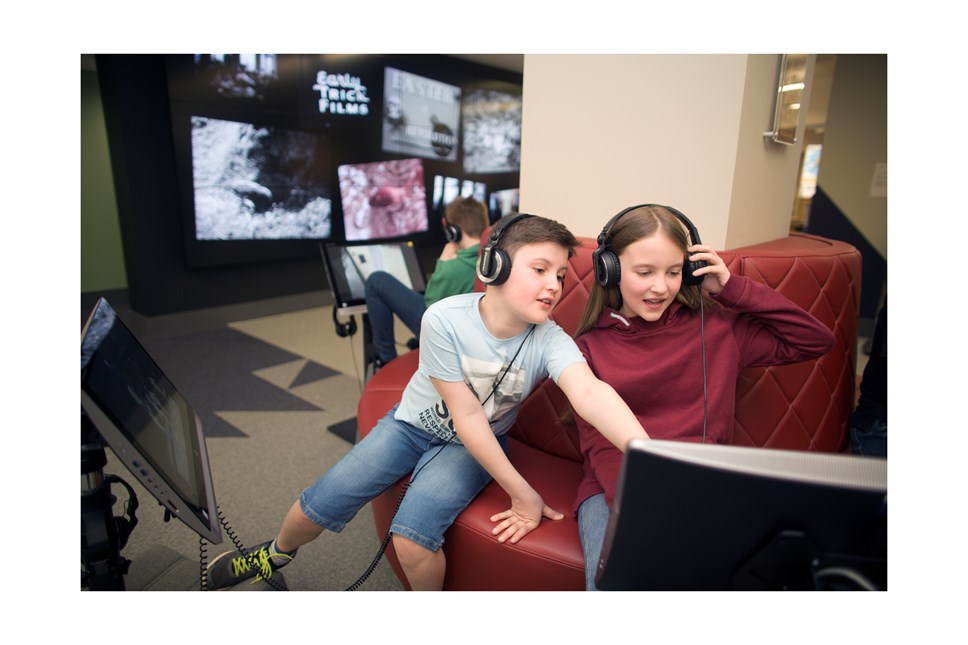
[276, 391]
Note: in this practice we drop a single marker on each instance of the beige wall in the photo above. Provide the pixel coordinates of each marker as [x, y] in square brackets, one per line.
[603, 132]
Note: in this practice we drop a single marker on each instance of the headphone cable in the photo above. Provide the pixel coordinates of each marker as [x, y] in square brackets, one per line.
[406, 484]
[702, 337]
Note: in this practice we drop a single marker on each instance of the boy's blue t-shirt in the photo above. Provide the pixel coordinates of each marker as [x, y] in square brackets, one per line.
[456, 346]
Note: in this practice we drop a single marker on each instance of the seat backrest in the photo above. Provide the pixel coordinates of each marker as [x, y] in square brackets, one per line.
[804, 406]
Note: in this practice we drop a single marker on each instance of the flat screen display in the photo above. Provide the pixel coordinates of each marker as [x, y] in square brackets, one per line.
[146, 422]
[257, 182]
[492, 130]
[447, 189]
[421, 116]
[504, 202]
[247, 79]
[349, 265]
[699, 517]
[383, 199]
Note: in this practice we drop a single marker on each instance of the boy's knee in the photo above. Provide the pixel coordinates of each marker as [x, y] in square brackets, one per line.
[409, 552]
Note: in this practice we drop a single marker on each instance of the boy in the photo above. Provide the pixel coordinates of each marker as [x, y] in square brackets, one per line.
[480, 356]
[464, 222]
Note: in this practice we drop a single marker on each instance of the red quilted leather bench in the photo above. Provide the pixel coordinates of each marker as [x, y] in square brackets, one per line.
[799, 407]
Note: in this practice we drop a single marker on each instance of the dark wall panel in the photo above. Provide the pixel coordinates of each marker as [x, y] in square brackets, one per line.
[828, 220]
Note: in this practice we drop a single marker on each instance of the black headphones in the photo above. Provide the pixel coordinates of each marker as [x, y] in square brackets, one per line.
[451, 233]
[344, 329]
[608, 270]
[494, 265]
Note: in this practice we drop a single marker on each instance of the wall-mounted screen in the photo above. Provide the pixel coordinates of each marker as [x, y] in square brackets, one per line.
[342, 93]
[254, 182]
[447, 189]
[383, 199]
[503, 202]
[257, 80]
[492, 129]
[421, 116]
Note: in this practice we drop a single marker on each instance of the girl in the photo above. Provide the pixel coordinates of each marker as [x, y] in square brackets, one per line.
[673, 351]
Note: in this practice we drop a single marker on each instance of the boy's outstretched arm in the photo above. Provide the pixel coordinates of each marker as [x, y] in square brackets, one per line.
[600, 405]
[474, 431]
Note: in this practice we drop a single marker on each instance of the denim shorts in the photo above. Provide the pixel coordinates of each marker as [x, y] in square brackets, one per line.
[445, 479]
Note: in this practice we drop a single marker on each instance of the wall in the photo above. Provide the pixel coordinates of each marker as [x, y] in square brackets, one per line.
[160, 279]
[603, 132]
[135, 100]
[766, 173]
[855, 141]
[102, 260]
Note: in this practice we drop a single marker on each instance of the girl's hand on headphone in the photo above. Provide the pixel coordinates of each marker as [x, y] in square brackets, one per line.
[715, 274]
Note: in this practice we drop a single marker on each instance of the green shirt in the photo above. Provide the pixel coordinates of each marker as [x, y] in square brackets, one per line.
[452, 277]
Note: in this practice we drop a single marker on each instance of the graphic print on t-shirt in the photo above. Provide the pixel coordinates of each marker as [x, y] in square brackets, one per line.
[481, 377]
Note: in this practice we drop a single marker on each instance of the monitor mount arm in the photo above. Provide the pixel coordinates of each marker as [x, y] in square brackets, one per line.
[102, 534]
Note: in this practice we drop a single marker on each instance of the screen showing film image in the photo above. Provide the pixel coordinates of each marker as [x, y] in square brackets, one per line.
[383, 199]
[254, 182]
[421, 116]
[447, 189]
[492, 131]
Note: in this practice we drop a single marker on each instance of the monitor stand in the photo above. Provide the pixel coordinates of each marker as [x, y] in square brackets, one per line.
[346, 429]
[102, 535]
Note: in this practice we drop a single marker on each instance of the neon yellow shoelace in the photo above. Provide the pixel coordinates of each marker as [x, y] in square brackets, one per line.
[260, 560]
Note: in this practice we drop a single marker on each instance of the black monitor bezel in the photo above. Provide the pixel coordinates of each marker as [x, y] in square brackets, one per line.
[343, 298]
[701, 517]
[200, 517]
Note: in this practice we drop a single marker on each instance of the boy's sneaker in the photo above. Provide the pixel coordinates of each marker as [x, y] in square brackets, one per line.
[225, 570]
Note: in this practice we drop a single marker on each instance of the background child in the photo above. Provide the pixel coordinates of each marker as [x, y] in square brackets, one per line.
[465, 221]
[673, 351]
[481, 354]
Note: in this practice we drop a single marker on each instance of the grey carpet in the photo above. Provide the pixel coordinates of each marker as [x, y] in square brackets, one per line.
[215, 370]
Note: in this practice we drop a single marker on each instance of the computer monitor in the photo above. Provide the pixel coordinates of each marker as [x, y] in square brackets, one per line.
[348, 266]
[146, 422]
[690, 516]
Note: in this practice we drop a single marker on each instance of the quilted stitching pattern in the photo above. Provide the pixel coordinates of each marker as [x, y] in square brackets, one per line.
[805, 406]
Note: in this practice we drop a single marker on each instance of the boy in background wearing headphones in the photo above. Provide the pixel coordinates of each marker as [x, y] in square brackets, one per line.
[481, 354]
[464, 222]
[645, 331]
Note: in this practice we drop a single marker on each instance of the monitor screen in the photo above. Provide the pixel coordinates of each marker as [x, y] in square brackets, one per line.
[421, 116]
[257, 182]
[146, 422]
[245, 80]
[383, 199]
[447, 189]
[492, 129]
[348, 266]
[689, 516]
[504, 202]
